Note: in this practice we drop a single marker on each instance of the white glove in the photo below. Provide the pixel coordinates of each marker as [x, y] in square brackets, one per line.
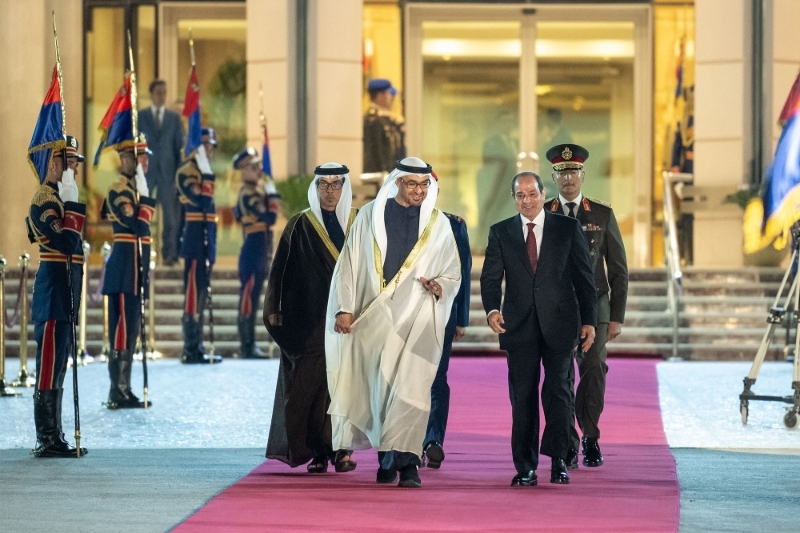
[67, 188]
[269, 187]
[202, 160]
[141, 181]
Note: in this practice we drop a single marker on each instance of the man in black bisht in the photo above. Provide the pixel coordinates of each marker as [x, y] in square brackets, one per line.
[294, 314]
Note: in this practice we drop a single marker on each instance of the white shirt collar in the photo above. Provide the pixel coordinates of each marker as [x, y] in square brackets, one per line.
[538, 219]
[578, 199]
[156, 110]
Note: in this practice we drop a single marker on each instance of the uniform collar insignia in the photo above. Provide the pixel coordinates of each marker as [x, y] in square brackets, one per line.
[554, 205]
[586, 205]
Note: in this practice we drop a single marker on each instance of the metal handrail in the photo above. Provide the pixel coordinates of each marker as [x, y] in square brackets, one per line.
[672, 258]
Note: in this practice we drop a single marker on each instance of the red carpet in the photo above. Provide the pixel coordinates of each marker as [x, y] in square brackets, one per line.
[636, 490]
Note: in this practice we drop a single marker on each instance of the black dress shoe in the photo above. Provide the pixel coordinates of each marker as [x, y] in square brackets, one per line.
[558, 472]
[591, 452]
[386, 476]
[572, 459]
[409, 477]
[433, 455]
[528, 479]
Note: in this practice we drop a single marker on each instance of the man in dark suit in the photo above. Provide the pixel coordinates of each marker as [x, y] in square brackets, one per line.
[549, 281]
[607, 253]
[164, 131]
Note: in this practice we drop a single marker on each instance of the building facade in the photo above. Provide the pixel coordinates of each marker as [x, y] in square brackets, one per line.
[484, 88]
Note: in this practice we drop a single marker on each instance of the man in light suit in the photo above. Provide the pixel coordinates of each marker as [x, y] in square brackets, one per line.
[164, 131]
[544, 258]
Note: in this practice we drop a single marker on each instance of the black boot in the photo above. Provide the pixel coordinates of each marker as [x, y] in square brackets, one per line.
[247, 337]
[121, 396]
[49, 438]
[113, 376]
[192, 338]
[193, 343]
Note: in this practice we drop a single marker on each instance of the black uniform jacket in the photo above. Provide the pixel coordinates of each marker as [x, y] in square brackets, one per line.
[562, 286]
[56, 227]
[130, 221]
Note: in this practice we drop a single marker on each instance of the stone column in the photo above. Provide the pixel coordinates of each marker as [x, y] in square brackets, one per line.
[334, 90]
[722, 125]
[23, 85]
[270, 63]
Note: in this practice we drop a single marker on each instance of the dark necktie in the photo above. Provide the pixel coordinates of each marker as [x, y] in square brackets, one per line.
[533, 253]
[572, 211]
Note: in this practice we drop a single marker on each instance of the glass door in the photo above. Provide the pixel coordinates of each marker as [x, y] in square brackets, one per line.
[490, 88]
[585, 96]
[471, 109]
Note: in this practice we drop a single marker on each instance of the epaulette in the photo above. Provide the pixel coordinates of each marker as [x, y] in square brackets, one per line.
[189, 168]
[121, 185]
[44, 195]
[596, 201]
[454, 217]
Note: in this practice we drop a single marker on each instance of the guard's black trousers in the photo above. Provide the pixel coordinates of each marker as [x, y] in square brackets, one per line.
[589, 398]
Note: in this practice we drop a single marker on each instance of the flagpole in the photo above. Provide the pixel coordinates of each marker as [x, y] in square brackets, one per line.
[60, 87]
[140, 266]
[134, 99]
[74, 345]
[191, 47]
[261, 116]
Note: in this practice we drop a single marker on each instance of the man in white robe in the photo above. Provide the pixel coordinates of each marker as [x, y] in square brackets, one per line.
[391, 295]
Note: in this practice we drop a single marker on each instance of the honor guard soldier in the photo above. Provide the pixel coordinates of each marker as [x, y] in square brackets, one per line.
[607, 253]
[195, 182]
[255, 210]
[384, 133]
[130, 209]
[55, 221]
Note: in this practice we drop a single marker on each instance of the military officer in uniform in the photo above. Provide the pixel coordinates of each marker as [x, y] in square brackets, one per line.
[607, 253]
[256, 211]
[195, 182]
[55, 222]
[130, 209]
[384, 133]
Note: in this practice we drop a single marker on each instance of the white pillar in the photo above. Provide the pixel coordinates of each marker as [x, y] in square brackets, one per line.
[23, 85]
[722, 124]
[270, 63]
[335, 79]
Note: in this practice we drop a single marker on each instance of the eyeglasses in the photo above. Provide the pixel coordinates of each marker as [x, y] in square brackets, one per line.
[414, 184]
[328, 185]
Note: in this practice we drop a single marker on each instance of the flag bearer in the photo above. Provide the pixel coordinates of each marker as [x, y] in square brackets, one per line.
[130, 209]
[198, 245]
[254, 210]
[55, 221]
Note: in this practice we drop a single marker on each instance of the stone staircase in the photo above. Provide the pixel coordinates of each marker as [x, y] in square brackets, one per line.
[723, 315]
